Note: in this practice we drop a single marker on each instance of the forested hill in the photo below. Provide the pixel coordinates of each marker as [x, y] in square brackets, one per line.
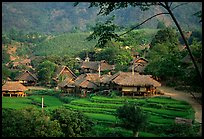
[58, 17]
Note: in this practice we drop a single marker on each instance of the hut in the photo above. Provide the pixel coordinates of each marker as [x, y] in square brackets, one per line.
[88, 82]
[62, 73]
[138, 64]
[27, 78]
[14, 88]
[94, 66]
[130, 83]
[67, 85]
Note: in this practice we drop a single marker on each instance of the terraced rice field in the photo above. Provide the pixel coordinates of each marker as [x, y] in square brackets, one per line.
[161, 110]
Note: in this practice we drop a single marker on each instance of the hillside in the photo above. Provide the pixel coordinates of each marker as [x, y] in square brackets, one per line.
[58, 17]
[65, 44]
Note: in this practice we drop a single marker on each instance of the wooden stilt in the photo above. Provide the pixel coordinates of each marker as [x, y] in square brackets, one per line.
[10, 95]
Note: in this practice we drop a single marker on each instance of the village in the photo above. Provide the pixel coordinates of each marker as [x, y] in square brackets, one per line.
[101, 69]
[94, 76]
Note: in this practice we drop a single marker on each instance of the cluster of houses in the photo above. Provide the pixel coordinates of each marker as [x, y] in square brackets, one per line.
[95, 76]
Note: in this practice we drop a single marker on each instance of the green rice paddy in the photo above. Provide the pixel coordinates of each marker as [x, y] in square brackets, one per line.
[101, 109]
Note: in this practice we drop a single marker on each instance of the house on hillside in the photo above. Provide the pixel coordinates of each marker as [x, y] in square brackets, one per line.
[67, 85]
[27, 78]
[13, 88]
[21, 62]
[87, 82]
[95, 66]
[129, 83]
[62, 73]
[138, 64]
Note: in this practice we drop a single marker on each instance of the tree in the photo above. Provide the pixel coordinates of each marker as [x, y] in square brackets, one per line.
[164, 61]
[46, 71]
[73, 124]
[161, 25]
[165, 35]
[29, 122]
[132, 117]
[105, 32]
[108, 7]
[115, 55]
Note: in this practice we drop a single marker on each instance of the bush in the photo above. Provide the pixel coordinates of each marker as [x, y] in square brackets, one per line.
[113, 94]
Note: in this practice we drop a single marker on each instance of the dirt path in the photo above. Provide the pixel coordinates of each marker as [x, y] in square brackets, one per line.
[180, 95]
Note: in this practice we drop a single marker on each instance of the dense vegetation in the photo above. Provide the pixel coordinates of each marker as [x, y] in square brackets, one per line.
[59, 17]
[32, 122]
[101, 115]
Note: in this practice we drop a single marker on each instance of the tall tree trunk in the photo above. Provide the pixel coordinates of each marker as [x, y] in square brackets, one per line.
[135, 133]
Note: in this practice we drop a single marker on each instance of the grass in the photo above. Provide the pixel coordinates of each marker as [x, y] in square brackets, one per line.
[66, 44]
[89, 109]
[101, 117]
[16, 102]
[162, 111]
[49, 101]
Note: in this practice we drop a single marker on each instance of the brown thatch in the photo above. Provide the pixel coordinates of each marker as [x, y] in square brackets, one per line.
[67, 83]
[138, 67]
[94, 65]
[13, 86]
[64, 70]
[26, 76]
[88, 80]
[105, 78]
[128, 79]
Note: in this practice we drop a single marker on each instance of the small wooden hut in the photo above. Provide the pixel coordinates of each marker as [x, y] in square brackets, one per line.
[95, 66]
[62, 73]
[138, 64]
[13, 88]
[27, 78]
[67, 85]
[134, 84]
[87, 82]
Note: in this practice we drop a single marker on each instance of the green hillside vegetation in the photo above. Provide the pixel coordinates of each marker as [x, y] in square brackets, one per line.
[162, 112]
[59, 17]
[73, 43]
[65, 44]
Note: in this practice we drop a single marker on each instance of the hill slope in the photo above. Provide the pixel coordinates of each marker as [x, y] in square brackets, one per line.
[52, 17]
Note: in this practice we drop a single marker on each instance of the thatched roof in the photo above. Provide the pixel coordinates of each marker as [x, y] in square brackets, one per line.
[64, 70]
[128, 79]
[26, 76]
[94, 65]
[105, 78]
[68, 82]
[138, 67]
[88, 80]
[13, 86]
[140, 60]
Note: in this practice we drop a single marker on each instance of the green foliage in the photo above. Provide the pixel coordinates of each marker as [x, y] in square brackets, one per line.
[139, 37]
[161, 110]
[29, 122]
[132, 117]
[165, 56]
[165, 35]
[161, 25]
[69, 44]
[46, 71]
[115, 55]
[105, 32]
[5, 72]
[73, 124]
